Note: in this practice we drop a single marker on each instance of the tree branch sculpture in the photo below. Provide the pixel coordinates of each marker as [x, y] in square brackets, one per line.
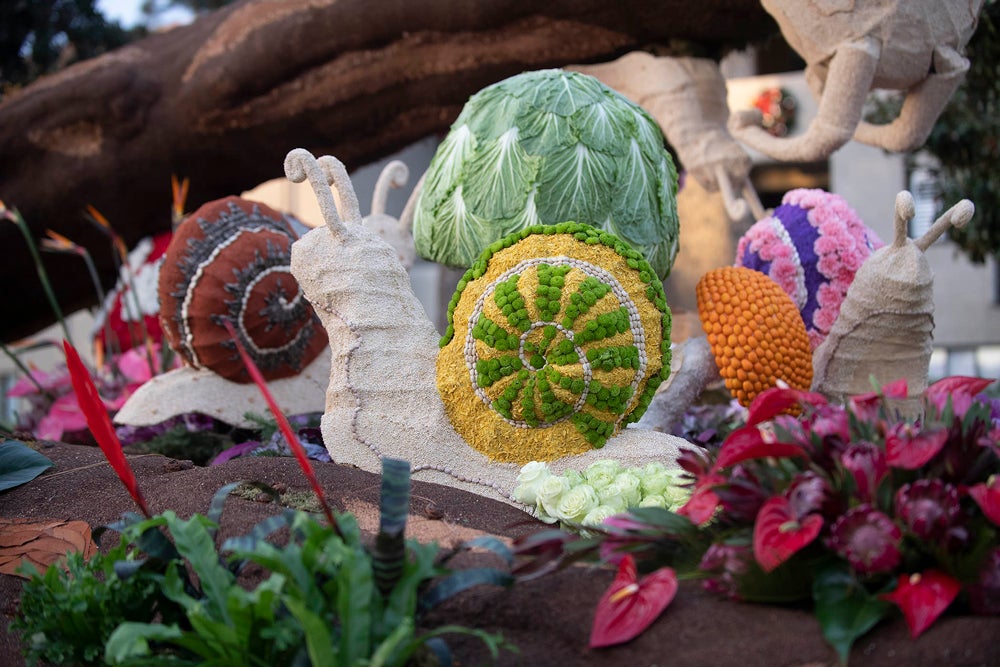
[221, 101]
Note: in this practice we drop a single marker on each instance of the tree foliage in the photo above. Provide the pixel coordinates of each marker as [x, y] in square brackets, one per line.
[966, 141]
[41, 36]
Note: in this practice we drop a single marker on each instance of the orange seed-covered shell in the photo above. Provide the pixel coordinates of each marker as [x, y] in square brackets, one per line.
[755, 330]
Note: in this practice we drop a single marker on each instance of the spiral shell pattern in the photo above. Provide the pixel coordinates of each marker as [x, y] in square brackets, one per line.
[559, 337]
[230, 261]
[811, 245]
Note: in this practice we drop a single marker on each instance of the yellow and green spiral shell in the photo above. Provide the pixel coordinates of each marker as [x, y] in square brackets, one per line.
[557, 337]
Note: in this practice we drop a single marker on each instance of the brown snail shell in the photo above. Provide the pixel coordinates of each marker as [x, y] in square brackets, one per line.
[229, 260]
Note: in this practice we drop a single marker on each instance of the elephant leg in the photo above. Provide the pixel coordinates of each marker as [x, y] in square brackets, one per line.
[921, 108]
[850, 76]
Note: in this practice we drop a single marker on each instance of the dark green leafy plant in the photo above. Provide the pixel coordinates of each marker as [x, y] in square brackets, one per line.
[67, 614]
[326, 598]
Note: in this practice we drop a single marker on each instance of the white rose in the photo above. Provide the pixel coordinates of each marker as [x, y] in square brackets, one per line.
[676, 495]
[653, 500]
[601, 473]
[596, 516]
[528, 480]
[549, 492]
[576, 503]
[655, 478]
[611, 495]
[629, 487]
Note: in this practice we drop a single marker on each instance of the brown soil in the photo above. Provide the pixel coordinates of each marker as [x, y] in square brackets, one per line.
[548, 619]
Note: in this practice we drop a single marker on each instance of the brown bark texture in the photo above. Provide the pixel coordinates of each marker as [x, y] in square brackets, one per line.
[221, 101]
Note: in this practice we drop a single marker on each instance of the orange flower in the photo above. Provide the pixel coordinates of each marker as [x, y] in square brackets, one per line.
[755, 331]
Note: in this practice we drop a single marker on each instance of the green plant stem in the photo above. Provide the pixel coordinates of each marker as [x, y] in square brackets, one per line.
[27, 372]
[43, 276]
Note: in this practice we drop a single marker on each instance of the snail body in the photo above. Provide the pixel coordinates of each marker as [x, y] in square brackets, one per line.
[884, 329]
[229, 261]
[383, 397]
[394, 232]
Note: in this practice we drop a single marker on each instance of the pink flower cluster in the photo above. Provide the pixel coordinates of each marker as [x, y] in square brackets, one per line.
[842, 245]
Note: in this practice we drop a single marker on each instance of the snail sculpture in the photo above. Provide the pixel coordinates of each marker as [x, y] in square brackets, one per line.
[887, 318]
[229, 261]
[395, 232]
[383, 397]
[881, 312]
[850, 48]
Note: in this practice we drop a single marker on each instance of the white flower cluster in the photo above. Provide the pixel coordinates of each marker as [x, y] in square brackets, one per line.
[603, 489]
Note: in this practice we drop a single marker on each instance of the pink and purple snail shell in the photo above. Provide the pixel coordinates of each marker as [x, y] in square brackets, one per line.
[811, 245]
[229, 260]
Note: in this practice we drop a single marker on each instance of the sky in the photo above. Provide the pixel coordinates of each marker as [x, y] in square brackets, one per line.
[128, 13]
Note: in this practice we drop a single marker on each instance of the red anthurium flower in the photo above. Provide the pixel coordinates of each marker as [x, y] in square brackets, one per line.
[987, 496]
[701, 505]
[866, 406]
[778, 534]
[908, 448]
[100, 424]
[749, 442]
[774, 401]
[923, 597]
[630, 605]
[960, 388]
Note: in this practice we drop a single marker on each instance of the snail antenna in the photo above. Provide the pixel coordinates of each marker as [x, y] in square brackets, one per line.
[958, 215]
[905, 210]
[300, 164]
[343, 190]
[394, 175]
[406, 218]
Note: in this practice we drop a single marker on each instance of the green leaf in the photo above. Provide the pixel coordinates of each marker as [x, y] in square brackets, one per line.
[394, 649]
[461, 580]
[603, 127]
[844, 609]
[563, 94]
[634, 198]
[19, 464]
[355, 590]
[214, 513]
[571, 186]
[389, 553]
[493, 544]
[504, 110]
[131, 640]
[319, 640]
[444, 173]
[540, 131]
[194, 541]
[497, 179]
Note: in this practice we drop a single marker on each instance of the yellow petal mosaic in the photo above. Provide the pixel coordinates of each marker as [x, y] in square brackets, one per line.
[558, 336]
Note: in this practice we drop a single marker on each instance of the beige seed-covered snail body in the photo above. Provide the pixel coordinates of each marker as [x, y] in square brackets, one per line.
[383, 397]
[885, 325]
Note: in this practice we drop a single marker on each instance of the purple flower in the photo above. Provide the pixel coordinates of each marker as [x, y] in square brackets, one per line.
[867, 539]
[831, 421]
[727, 562]
[984, 595]
[927, 507]
[742, 496]
[808, 493]
[867, 463]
